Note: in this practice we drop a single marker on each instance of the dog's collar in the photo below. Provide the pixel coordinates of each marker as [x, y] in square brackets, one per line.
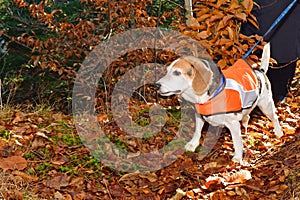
[220, 88]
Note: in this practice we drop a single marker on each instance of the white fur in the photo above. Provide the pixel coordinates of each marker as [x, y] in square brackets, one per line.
[171, 84]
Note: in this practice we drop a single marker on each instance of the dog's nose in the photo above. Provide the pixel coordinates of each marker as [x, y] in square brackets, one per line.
[157, 85]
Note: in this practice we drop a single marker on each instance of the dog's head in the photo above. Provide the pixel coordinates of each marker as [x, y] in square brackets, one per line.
[185, 74]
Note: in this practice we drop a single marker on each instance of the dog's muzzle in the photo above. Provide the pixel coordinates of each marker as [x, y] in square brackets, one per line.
[166, 93]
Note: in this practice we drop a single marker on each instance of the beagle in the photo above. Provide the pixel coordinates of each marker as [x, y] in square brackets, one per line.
[221, 97]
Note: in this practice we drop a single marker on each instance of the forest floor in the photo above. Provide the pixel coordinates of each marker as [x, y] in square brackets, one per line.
[42, 157]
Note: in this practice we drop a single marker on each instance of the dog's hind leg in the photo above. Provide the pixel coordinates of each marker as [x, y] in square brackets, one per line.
[266, 105]
[268, 108]
[245, 122]
[195, 141]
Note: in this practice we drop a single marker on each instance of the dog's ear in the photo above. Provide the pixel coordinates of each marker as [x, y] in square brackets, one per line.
[203, 75]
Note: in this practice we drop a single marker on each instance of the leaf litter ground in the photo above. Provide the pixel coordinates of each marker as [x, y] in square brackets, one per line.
[42, 157]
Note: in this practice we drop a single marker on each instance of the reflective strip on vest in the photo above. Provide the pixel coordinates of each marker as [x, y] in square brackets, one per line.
[241, 91]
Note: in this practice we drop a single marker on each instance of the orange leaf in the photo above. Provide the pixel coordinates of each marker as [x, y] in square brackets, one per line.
[203, 17]
[194, 23]
[227, 18]
[231, 33]
[13, 162]
[241, 16]
[248, 5]
[222, 63]
[203, 35]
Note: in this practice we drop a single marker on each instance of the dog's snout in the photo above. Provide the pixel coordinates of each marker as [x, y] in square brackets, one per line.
[157, 85]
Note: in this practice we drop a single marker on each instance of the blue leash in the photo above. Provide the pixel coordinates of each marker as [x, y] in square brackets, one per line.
[272, 26]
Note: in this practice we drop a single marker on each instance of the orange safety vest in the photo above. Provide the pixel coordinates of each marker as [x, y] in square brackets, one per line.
[240, 91]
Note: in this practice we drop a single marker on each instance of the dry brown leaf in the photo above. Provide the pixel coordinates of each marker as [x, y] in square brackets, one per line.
[241, 191]
[212, 182]
[129, 176]
[152, 177]
[179, 195]
[226, 19]
[57, 182]
[201, 10]
[234, 4]
[58, 196]
[231, 33]
[203, 35]
[278, 188]
[194, 23]
[231, 193]
[281, 179]
[248, 5]
[25, 176]
[38, 142]
[222, 63]
[238, 177]
[18, 118]
[241, 16]
[216, 15]
[221, 25]
[13, 162]
[210, 165]
[190, 194]
[16, 194]
[203, 17]
[77, 181]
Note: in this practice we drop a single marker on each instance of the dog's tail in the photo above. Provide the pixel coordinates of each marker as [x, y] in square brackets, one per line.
[265, 59]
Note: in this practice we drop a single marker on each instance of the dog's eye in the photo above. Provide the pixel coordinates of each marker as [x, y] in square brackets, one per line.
[177, 73]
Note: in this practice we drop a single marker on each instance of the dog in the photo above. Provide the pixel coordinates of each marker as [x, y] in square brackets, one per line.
[221, 97]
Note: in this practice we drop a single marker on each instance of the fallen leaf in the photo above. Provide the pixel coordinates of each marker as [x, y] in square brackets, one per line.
[282, 179]
[16, 194]
[57, 182]
[203, 35]
[278, 188]
[241, 191]
[18, 118]
[25, 176]
[194, 23]
[222, 63]
[152, 177]
[179, 194]
[146, 190]
[58, 196]
[213, 181]
[210, 165]
[77, 182]
[129, 176]
[190, 194]
[231, 193]
[38, 142]
[42, 134]
[58, 116]
[13, 162]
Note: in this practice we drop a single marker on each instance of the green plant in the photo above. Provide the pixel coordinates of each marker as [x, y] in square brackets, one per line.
[252, 141]
[5, 134]
[43, 169]
[28, 155]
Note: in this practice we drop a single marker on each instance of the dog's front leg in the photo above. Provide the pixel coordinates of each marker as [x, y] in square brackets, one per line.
[194, 142]
[235, 130]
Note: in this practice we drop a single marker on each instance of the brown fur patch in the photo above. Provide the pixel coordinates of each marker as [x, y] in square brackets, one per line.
[202, 75]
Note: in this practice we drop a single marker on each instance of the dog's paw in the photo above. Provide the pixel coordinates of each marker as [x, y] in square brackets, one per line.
[279, 134]
[191, 146]
[237, 159]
